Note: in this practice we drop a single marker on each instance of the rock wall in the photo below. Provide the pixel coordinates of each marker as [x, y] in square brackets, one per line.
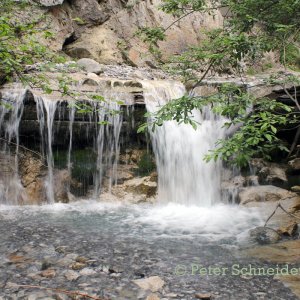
[105, 30]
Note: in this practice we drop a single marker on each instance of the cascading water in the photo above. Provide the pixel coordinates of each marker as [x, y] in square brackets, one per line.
[10, 116]
[107, 147]
[183, 176]
[49, 114]
[46, 109]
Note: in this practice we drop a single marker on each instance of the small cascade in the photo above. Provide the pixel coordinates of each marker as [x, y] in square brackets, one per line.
[10, 116]
[183, 176]
[46, 113]
[71, 122]
[102, 126]
[107, 147]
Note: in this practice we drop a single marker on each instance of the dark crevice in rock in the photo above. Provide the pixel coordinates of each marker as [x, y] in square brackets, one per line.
[69, 40]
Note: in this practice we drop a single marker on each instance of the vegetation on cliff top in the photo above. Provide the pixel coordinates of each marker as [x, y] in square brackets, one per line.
[251, 29]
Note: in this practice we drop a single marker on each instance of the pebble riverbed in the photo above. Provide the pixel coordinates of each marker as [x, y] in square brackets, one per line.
[100, 249]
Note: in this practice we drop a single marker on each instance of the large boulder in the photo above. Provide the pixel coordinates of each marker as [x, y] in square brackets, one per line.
[144, 186]
[264, 235]
[263, 193]
[269, 173]
[90, 12]
[90, 65]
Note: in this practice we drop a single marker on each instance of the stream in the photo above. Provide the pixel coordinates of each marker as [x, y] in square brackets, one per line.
[119, 243]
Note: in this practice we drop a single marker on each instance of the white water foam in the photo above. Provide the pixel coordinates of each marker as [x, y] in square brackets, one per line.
[167, 221]
[184, 176]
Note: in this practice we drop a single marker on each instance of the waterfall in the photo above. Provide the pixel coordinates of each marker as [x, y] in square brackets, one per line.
[71, 122]
[11, 110]
[183, 176]
[46, 129]
[104, 117]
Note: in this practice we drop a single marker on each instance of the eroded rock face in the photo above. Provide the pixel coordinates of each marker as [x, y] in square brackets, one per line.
[32, 173]
[105, 31]
[263, 193]
[289, 229]
[90, 11]
[269, 173]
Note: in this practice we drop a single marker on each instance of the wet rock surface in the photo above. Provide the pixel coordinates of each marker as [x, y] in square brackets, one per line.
[264, 235]
[106, 253]
[264, 193]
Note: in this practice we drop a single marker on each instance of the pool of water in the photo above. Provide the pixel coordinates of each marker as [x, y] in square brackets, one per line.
[127, 242]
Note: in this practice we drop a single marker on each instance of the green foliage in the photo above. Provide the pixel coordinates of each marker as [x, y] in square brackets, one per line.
[19, 45]
[292, 57]
[256, 121]
[152, 36]
[21, 30]
[257, 133]
[251, 29]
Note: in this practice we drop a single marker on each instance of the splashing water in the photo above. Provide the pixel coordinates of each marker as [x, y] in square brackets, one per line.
[184, 177]
[46, 128]
[49, 112]
[11, 110]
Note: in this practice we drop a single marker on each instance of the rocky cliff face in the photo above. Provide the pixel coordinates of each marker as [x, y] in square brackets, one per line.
[105, 30]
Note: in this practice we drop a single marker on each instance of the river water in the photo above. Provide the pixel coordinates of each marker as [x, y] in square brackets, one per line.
[128, 242]
[100, 248]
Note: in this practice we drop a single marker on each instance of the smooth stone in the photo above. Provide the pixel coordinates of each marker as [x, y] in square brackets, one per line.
[49, 273]
[71, 275]
[203, 296]
[90, 65]
[153, 283]
[87, 272]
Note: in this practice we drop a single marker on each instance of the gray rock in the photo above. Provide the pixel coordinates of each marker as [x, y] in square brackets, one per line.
[264, 235]
[269, 173]
[71, 275]
[87, 272]
[90, 65]
[153, 283]
[50, 2]
[90, 11]
[263, 193]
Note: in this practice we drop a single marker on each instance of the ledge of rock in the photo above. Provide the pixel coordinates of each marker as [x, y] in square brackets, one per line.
[269, 173]
[263, 193]
[283, 252]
